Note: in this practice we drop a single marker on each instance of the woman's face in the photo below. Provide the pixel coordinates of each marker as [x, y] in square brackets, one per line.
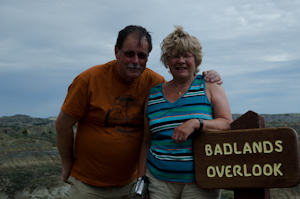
[182, 65]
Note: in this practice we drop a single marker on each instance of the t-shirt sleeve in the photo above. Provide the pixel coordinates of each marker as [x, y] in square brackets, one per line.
[77, 100]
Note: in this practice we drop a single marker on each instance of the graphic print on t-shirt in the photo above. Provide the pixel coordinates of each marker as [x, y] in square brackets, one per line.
[125, 114]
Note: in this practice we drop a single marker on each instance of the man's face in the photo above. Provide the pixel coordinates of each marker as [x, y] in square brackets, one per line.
[132, 58]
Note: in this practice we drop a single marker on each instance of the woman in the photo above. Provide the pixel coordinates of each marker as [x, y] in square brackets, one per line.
[174, 113]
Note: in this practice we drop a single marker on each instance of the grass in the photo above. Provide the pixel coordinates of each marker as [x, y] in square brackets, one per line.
[16, 180]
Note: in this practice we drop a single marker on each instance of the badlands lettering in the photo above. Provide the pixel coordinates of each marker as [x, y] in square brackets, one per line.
[244, 170]
[254, 147]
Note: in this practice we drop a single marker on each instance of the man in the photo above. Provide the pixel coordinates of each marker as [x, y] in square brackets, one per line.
[106, 102]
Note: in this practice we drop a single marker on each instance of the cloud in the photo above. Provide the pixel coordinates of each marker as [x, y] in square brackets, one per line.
[44, 45]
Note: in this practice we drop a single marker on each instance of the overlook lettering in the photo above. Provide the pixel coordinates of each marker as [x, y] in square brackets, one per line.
[230, 171]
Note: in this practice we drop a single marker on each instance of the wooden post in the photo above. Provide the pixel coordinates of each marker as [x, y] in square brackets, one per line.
[250, 120]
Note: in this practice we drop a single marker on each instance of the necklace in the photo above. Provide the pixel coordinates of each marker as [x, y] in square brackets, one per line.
[179, 92]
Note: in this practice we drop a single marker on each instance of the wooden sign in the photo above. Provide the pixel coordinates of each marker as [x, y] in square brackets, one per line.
[247, 158]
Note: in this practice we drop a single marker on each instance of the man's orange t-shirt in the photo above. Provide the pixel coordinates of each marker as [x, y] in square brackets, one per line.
[110, 127]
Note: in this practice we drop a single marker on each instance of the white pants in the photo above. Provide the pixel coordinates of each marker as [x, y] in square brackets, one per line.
[163, 190]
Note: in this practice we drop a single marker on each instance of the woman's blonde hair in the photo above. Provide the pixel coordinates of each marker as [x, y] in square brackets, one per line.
[182, 42]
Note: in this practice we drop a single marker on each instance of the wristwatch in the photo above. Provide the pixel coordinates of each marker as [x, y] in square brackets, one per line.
[201, 124]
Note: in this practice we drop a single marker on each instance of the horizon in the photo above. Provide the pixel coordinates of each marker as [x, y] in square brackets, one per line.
[231, 114]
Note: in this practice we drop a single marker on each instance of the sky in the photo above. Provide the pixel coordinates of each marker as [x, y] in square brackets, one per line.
[254, 46]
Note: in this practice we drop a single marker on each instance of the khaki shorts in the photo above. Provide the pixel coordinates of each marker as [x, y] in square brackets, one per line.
[162, 190]
[80, 190]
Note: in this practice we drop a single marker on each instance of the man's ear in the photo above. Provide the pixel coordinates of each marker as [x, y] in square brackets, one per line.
[116, 52]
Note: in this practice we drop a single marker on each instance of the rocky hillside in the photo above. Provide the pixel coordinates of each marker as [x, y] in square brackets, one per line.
[30, 163]
[29, 160]
[25, 121]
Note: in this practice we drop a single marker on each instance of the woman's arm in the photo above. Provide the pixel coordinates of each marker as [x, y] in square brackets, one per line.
[146, 143]
[221, 111]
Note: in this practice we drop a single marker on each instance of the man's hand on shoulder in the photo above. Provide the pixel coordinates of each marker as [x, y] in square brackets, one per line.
[212, 76]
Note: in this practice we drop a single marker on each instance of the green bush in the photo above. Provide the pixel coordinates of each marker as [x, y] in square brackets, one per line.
[25, 132]
[227, 194]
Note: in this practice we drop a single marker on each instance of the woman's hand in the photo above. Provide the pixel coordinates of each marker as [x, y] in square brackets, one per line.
[182, 132]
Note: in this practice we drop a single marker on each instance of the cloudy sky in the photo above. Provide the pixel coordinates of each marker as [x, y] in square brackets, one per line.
[44, 45]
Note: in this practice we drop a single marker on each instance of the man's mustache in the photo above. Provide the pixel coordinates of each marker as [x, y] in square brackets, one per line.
[134, 66]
